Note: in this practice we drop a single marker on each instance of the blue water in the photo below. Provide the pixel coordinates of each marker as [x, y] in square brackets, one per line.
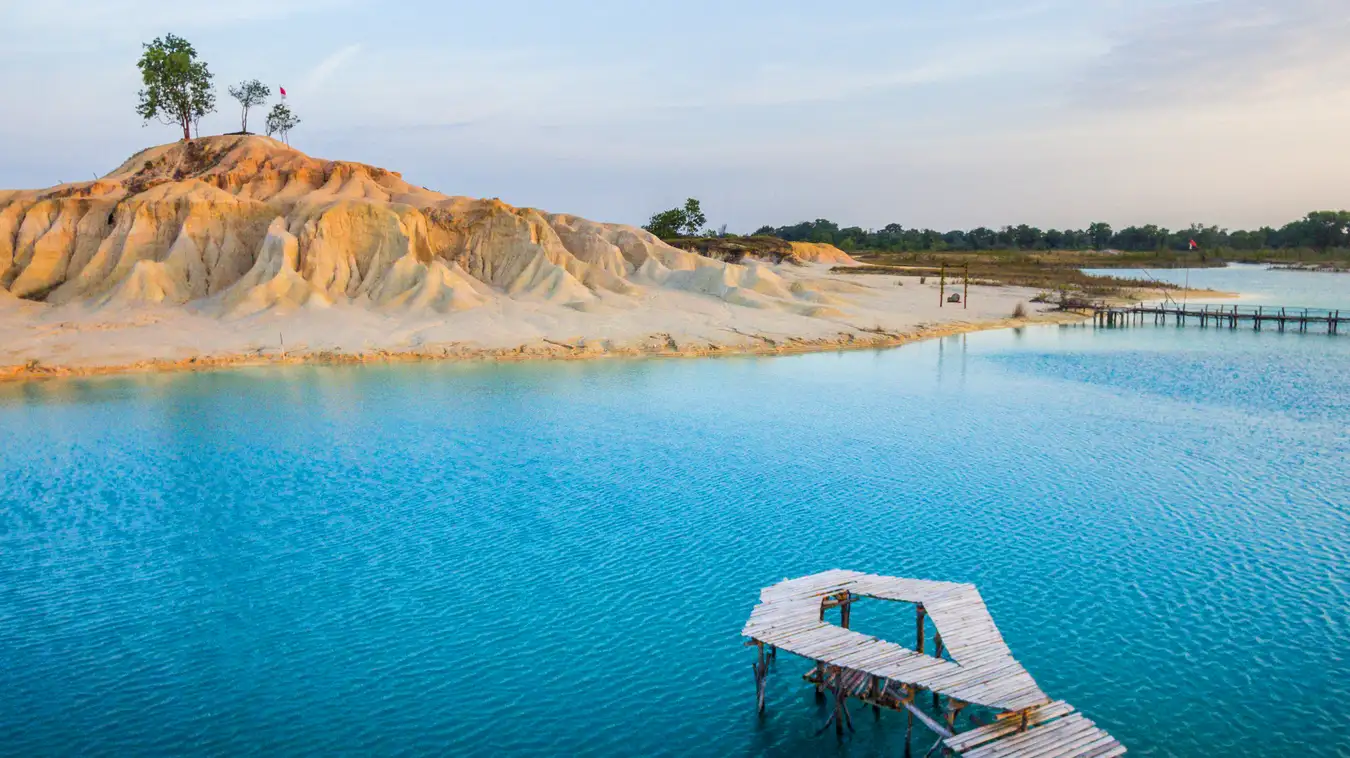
[558, 558]
[1258, 284]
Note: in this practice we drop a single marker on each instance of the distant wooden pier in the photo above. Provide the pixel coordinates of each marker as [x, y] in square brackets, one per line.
[969, 672]
[1222, 317]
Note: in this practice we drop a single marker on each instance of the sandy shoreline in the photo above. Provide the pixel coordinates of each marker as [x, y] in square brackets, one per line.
[543, 350]
[45, 342]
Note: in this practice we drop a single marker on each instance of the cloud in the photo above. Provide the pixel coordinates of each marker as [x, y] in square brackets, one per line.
[1225, 51]
[321, 73]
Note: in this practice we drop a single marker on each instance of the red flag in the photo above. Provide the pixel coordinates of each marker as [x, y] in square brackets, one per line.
[283, 91]
[1193, 245]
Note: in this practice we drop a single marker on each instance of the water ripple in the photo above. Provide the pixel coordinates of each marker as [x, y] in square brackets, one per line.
[558, 559]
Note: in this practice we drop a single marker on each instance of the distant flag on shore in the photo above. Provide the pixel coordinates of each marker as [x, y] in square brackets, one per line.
[283, 92]
[1193, 245]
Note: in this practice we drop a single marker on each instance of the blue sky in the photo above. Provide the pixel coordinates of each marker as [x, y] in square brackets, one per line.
[931, 114]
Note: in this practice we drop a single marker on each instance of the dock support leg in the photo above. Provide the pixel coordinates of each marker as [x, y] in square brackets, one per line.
[761, 674]
[838, 703]
[937, 652]
[919, 614]
[909, 734]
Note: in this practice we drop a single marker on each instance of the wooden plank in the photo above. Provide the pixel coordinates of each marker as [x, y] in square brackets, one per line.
[1042, 737]
[999, 729]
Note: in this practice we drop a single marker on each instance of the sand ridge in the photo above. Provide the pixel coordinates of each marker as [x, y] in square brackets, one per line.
[224, 248]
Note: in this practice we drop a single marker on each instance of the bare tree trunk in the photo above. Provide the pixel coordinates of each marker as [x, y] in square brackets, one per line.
[187, 126]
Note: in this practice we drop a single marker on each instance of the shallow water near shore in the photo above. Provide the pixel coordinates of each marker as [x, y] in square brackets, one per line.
[558, 558]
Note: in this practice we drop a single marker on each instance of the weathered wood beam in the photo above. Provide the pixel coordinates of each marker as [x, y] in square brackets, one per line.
[928, 721]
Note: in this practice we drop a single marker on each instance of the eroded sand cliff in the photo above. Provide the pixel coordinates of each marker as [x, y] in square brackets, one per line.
[222, 246]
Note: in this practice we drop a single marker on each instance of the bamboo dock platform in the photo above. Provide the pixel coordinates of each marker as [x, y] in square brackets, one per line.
[1222, 316]
[969, 670]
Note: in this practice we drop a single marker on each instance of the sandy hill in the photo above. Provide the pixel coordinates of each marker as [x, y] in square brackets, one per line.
[240, 224]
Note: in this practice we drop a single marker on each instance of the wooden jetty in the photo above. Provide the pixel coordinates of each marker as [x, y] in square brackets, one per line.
[1221, 316]
[969, 670]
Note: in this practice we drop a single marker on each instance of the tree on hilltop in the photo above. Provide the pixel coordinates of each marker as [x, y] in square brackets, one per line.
[249, 94]
[678, 222]
[280, 120]
[177, 85]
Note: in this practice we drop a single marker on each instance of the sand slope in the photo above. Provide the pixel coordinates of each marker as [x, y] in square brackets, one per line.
[221, 245]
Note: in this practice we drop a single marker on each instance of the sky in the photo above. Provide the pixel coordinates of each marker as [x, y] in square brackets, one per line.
[947, 114]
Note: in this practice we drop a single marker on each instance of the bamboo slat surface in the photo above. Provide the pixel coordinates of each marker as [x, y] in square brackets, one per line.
[981, 669]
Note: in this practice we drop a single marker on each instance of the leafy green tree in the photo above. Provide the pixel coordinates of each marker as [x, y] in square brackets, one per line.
[666, 224]
[687, 221]
[281, 121]
[694, 220]
[1319, 231]
[177, 85]
[249, 94]
[1099, 234]
[1327, 229]
[1027, 237]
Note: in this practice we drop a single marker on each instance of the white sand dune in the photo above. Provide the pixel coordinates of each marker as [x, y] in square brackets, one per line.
[222, 247]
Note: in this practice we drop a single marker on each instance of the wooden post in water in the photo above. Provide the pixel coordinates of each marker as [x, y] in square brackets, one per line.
[909, 720]
[838, 701]
[909, 732]
[937, 652]
[919, 613]
[953, 711]
[761, 671]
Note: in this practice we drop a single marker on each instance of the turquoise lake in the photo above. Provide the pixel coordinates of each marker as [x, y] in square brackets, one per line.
[1258, 284]
[558, 558]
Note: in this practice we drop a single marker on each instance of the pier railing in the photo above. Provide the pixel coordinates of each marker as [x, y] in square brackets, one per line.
[1223, 316]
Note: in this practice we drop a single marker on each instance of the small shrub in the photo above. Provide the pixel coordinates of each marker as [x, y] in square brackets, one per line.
[1043, 297]
[1020, 311]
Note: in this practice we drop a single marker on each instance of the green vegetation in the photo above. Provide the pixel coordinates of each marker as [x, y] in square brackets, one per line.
[177, 85]
[281, 121]
[1050, 273]
[249, 94]
[1318, 236]
[678, 222]
[734, 249]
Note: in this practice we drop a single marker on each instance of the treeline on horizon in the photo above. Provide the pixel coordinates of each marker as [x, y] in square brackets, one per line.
[1319, 230]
